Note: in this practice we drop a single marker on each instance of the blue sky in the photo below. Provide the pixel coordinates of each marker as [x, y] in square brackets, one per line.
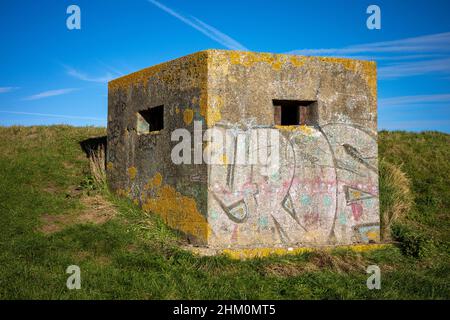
[49, 74]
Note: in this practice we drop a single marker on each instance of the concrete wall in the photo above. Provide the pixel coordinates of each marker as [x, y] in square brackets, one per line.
[326, 188]
[139, 165]
[326, 191]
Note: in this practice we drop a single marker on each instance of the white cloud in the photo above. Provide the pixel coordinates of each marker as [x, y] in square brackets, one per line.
[413, 68]
[202, 27]
[85, 77]
[407, 57]
[52, 115]
[112, 69]
[50, 93]
[439, 42]
[7, 89]
[419, 99]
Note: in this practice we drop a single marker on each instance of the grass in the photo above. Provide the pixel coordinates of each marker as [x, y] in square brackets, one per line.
[131, 255]
[424, 157]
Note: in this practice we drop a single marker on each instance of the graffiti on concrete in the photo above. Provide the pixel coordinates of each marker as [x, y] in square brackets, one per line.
[325, 186]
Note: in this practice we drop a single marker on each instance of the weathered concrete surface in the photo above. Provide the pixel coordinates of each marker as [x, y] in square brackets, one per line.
[326, 188]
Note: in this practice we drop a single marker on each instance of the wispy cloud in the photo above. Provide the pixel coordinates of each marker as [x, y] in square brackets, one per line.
[7, 89]
[85, 77]
[439, 42]
[112, 69]
[392, 58]
[52, 115]
[429, 54]
[413, 100]
[413, 68]
[50, 93]
[202, 27]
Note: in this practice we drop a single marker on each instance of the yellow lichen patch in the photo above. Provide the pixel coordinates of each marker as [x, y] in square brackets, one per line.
[307, 130]
[356, 194]
[374, 236]
[188, 116]
[139, 77]
[279, 61]
[235, 57]
[157, 180]
[267, 58]
[248, 59]
[277, 65]
[219, 65]
[366, 68]
[365, 247]
[109, 166]
[262, 252]
[297, 61]
[132, 171]
[265, 252]
[150, 184]
[224, 159]
[232, 79]
[210, 108]
[167, 72]
[178, 211]
[214, 111]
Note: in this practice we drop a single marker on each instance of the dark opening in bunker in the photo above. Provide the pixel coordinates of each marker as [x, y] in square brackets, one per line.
[150, 120]
[295, 112]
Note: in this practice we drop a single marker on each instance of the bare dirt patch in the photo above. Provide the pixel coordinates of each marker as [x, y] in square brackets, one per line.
[97, 210]
[319, 260]
[288, 269]
[338, 263]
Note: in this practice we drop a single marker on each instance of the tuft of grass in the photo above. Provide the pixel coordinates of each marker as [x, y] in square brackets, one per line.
[397, 199]
[412, 241]
[97, 165]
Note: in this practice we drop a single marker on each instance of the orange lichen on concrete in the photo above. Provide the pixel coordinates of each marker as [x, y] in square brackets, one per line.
[266, 252]
[132, 171]
[214, 110]
[188, 116]
[157, 180]
[248, 59]
[178, 211]
[297, 61]
[367, 69]
[166, 72]
[138, 77]
[302, 128]
[374, 236]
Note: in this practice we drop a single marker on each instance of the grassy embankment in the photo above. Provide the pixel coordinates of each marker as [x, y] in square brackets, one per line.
[54, 214]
